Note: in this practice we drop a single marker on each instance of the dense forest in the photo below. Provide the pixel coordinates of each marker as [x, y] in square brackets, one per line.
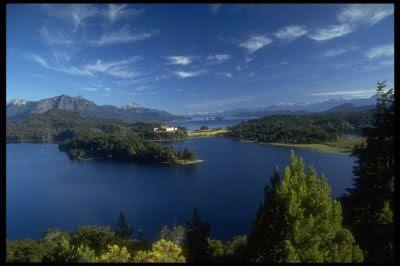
[314, 128]
[122, 148]
[369, 204]
[59, 125]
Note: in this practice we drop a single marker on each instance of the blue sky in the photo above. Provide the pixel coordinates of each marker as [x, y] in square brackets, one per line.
[198, 57]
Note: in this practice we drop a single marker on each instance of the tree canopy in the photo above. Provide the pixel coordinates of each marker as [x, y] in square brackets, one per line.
[313, 128]
[369, 203]
[300, 222]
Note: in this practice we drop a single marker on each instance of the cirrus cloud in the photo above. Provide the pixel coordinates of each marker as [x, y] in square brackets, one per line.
[290, 33]
[188, 74]
[380, 51]
[255, 42]
[330, 32]
[179, 60]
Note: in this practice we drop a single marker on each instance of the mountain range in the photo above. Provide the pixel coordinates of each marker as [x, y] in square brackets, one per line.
[331, 105]
[17, 109]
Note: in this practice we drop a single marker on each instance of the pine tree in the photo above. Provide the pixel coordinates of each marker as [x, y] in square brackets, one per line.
[143, 239]
[196, 245]
[372, 193]
[299, 222]
[123, 230]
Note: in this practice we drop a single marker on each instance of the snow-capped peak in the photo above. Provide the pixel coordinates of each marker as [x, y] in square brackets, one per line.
[17, 102]
[132, 106]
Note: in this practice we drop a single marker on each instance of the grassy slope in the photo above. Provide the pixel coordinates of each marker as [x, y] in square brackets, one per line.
[344, 145]
[208, 133]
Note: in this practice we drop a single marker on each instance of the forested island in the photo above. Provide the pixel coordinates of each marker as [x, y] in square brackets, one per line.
[300, 129]
[102, 146]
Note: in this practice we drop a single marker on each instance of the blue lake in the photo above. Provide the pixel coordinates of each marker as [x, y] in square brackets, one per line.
[46, 189]
[196, 123]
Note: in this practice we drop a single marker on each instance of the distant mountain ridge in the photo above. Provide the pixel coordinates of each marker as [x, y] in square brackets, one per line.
[349, 107]
[297, 108]
[17, 109]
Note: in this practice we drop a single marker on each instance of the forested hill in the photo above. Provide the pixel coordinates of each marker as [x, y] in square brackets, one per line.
[312, 128]
[58, 125]
[17, 109]
[122, 148]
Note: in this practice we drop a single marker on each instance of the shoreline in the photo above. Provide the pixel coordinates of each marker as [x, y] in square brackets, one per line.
[181, 162]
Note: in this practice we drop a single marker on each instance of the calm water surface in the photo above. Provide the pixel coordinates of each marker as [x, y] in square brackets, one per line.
[46, 189]
[196, 123]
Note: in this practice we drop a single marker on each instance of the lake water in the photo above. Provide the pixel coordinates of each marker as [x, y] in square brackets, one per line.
[46, 189]
[196, 123]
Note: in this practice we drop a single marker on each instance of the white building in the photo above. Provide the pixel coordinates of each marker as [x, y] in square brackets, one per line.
[165, 128]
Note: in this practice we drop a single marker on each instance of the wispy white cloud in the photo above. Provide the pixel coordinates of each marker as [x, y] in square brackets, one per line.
[44, 62]
[290, 33]
[352, 17]
[76, 14]
[71, 25]
[38, 59]
[116, 12]
[256, 42]
[121, 68]
[185, 74]
[121, 36]
[218, 58]
[380, 51]
[330, 32]
[248, 59]
[55, 36]
[179, 60]
[61, 56]
[352, 93]
[365, 14]
[337, 51]
[214, 8]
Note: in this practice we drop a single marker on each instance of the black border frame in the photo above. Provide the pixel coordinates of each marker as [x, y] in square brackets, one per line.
[3, 69]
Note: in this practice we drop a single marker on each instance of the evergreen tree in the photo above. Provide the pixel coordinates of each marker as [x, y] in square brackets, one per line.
[299, 222]
[368, 206]
[196, 244]
[143, 239]
[123, 230]
[175, 234]
[188, 154]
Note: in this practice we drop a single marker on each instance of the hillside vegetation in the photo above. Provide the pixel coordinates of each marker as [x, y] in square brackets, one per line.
[127, 148]
[58, 125]
[300, 129]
